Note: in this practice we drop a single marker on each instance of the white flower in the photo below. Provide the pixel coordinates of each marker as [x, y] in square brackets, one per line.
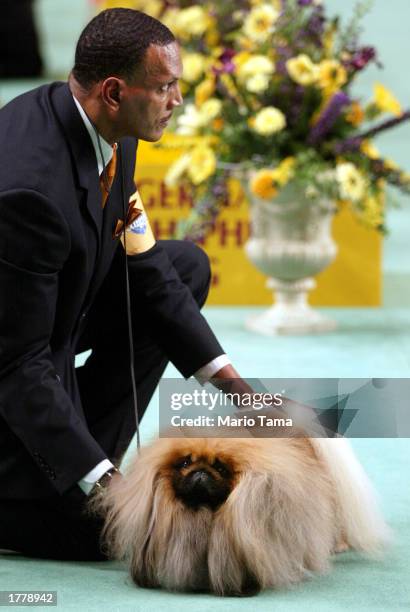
[302, 70]
[210, 109]
[177, 170]
[269, 120]
[260, 22]
[327, 176]
[191, 21]
[191, 121]
[194, 66]
[311, 192]
[258, 83]
[351, 182]
[255, 65]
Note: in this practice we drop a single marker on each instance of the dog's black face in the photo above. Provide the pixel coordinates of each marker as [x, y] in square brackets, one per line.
[198, 482]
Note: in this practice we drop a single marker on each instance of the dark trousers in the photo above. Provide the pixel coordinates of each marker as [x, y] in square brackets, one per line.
[58, 527]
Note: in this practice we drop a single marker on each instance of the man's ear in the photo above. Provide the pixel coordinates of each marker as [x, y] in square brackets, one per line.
[111, 92]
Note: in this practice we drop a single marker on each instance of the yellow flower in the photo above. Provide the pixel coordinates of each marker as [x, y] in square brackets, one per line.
[372, 213]
[228, 82]
[240, 58]
[269, 120]
[355, 114]
[109, 4]
[218, 124]
[212, 34]
[254, 72]
[284, 172]
[169, 19]
[277, 4]
[332, 75]
[210, 109]
[151, 7]
[263, 185]
[302, 70]
[191, 21]
[260, 22]
[194, 66]
[177, 170]
[328, 40]
[385, 101]
[351, 182]
[202, 164]
[368, 148]
[246, 43]
[204, 91]
[258, 83]
[254, 65]
[390, 164]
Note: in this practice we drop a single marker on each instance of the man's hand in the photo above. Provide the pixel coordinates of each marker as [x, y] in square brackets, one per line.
[95, 504]
[228, 380]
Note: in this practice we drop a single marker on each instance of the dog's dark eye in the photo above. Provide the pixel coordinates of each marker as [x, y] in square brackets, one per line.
[221, 468]
[183, 462]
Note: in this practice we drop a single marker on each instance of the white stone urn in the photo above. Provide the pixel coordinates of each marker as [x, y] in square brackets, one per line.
[290, 242]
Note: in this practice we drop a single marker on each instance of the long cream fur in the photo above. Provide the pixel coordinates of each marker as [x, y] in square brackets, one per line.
[364, 527]
[295, 501]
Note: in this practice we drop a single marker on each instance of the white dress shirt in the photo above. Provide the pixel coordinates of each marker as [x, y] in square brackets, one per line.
[202, 375]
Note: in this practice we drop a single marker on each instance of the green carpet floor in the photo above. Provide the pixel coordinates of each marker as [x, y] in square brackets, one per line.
[368, 343]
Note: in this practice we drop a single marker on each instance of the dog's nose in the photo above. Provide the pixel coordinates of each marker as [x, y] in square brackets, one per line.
[201, 488]
[200, 478]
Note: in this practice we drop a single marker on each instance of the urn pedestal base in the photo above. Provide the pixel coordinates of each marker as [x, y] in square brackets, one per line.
[291, 313]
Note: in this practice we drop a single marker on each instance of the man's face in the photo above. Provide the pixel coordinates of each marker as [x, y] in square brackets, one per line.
[148, 102]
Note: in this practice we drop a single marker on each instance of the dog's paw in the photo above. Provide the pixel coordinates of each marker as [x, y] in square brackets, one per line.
[341, 547]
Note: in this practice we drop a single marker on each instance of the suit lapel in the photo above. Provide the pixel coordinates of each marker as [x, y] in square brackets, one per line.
[83, 154]
[85, 165]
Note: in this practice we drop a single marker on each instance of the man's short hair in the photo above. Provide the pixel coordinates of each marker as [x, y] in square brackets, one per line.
[114, 44]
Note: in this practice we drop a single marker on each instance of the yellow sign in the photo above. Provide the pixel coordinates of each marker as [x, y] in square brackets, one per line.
[354, 278]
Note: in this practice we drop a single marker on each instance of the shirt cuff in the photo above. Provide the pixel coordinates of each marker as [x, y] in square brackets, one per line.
[89, 480]
[207, 371]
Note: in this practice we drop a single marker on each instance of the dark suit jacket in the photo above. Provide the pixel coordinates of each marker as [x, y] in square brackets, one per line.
[54, 256]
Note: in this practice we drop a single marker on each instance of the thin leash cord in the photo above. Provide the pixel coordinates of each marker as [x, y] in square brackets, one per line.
[130, 336]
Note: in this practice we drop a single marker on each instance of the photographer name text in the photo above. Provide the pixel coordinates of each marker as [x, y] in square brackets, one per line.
[230, 421]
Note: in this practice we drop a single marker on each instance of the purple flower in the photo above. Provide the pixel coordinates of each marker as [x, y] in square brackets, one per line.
[312, 30]
[328, 117]
[361, 58]
[349, 144]
[283, 54]
[226, 60]
[295, 105]
[353, 143]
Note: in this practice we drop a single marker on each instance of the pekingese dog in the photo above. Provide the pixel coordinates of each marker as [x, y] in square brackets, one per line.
[236, 515]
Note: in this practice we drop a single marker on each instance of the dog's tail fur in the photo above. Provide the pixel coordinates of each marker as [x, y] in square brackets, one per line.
[362, 524]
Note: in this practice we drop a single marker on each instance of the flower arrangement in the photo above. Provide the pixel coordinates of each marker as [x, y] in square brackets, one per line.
[268, 85]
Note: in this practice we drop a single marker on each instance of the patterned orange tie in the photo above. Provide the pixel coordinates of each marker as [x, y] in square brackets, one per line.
[110, 174]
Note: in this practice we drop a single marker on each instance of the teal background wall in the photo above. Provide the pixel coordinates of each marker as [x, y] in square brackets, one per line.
[386, 27]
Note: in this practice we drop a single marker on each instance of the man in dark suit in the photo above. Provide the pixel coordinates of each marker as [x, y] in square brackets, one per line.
[62, 284]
